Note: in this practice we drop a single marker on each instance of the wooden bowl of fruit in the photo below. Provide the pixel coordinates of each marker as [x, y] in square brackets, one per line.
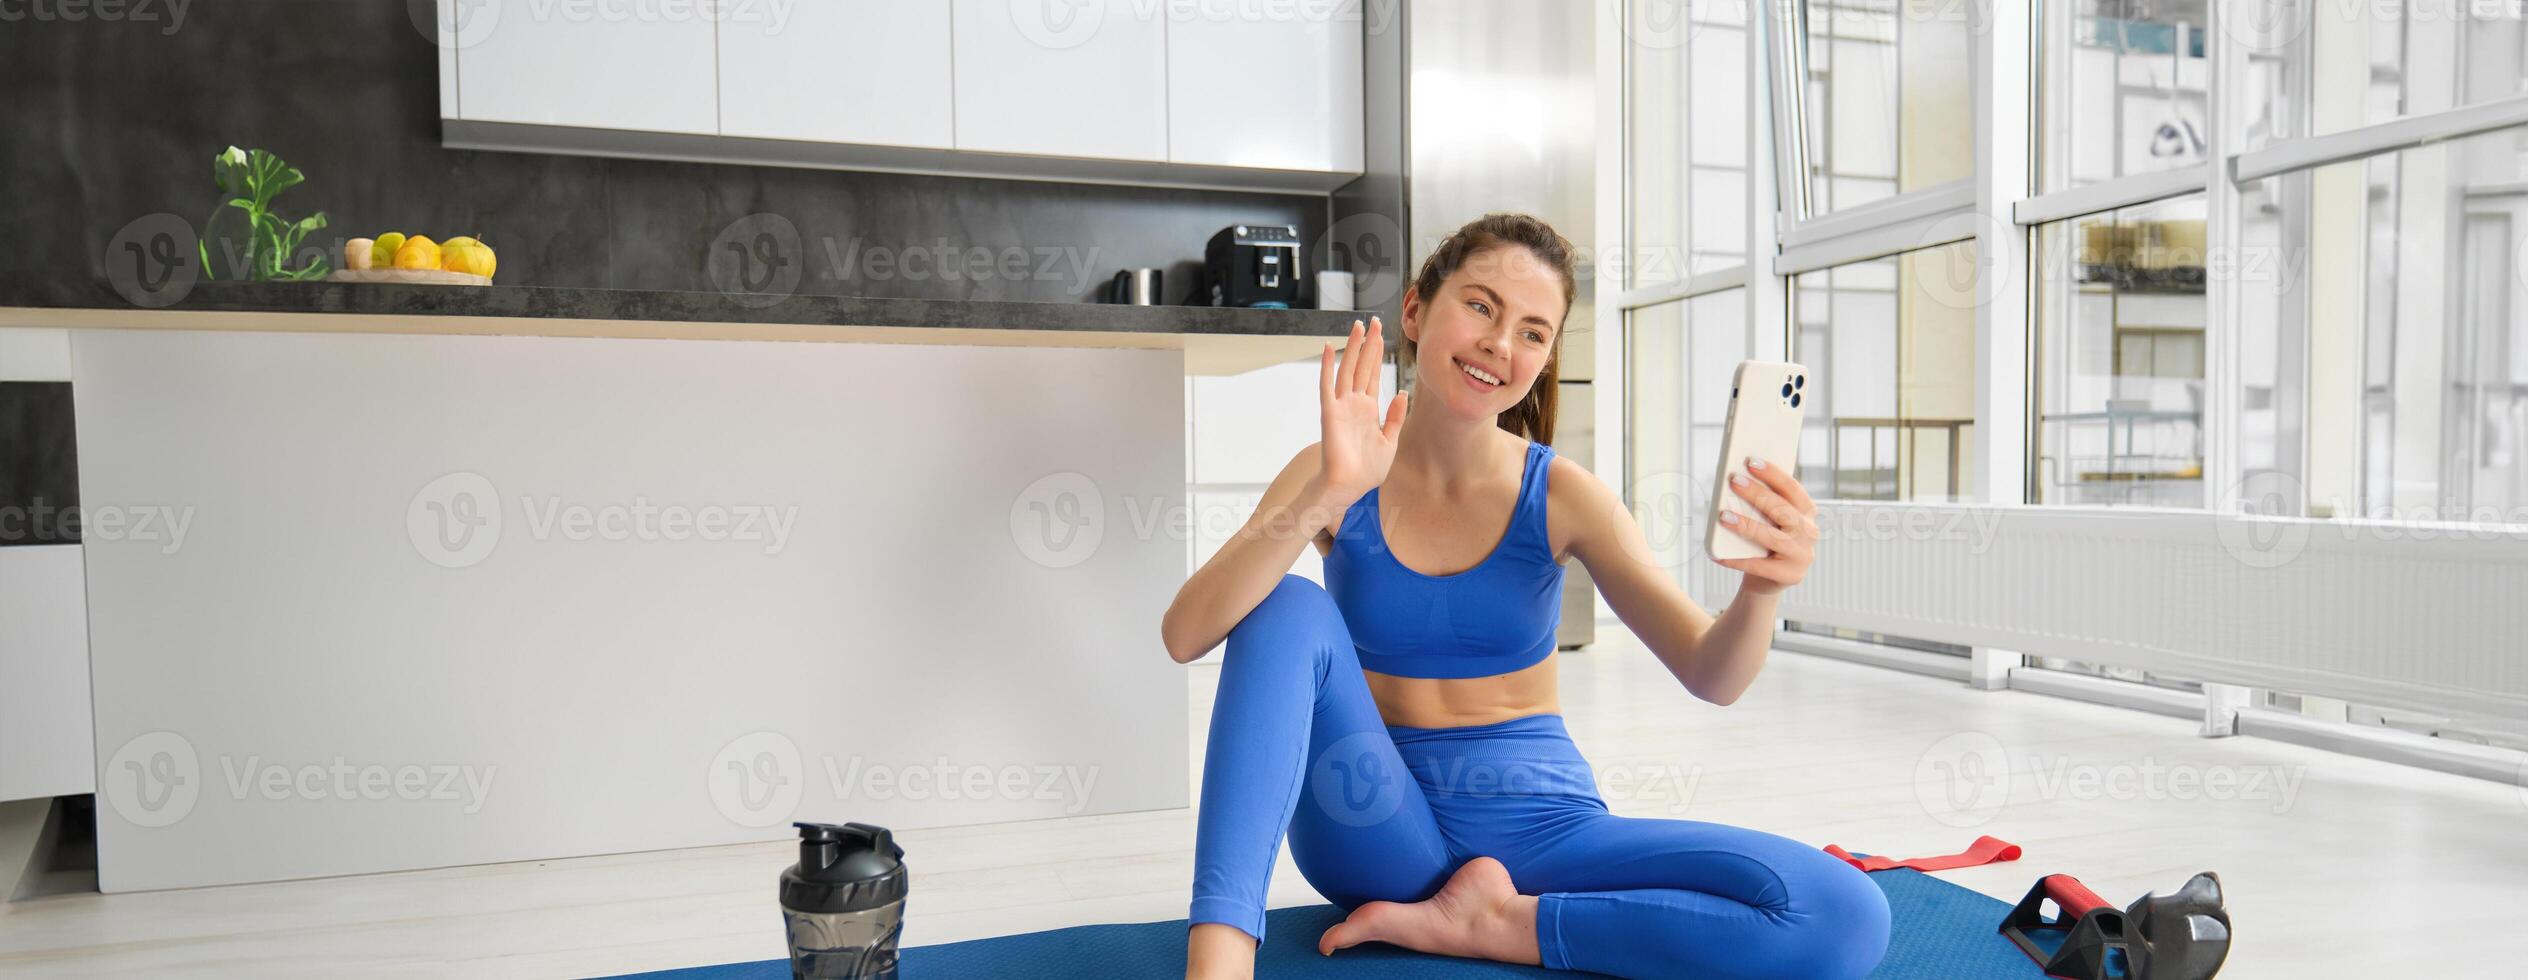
[392, 257]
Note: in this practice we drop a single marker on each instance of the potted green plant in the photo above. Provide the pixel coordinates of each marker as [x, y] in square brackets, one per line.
[251, 179]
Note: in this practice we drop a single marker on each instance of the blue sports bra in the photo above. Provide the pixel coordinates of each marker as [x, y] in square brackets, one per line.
[1494, 618]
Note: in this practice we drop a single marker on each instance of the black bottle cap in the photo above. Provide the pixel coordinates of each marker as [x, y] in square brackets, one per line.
[848, 867]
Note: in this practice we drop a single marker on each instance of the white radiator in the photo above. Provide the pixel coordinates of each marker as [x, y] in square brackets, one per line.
[2427, 617]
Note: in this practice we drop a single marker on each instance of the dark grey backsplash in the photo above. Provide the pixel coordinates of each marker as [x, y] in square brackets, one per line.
[103, 122]
[39, 468]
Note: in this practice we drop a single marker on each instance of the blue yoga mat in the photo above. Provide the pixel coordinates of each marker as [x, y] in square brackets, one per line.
[1943, 932]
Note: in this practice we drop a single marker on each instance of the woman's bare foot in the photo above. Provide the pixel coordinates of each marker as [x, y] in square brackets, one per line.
[1477, 914]
[1219, 951]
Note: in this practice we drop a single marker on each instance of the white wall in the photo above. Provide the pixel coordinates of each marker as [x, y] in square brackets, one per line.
[615, 695]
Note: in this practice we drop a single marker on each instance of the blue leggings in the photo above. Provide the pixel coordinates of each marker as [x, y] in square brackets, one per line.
[1297, 745]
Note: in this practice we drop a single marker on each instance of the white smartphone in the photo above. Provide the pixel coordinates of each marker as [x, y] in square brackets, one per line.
[1764, 417]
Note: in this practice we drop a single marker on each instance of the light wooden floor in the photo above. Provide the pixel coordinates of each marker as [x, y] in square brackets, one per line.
[2365, 869]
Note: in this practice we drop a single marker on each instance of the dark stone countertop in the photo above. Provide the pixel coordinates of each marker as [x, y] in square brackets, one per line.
[681, 306]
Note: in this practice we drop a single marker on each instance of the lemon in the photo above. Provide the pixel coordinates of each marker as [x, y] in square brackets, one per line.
[382, 255]
[359, 253]
[418, 252]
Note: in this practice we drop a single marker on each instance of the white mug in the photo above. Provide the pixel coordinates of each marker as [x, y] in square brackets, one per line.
[1334, 290]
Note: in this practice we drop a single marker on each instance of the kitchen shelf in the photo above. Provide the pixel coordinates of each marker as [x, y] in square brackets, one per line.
[1215, 340]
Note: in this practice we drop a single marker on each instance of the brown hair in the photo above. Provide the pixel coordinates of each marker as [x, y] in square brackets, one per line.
[1533, 416]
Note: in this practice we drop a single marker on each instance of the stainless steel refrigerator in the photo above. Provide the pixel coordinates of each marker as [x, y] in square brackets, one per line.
[1475, 106]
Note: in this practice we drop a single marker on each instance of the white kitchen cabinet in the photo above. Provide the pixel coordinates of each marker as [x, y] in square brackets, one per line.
[600, 66]
[1280, 89]
[1071, 78]
[1144, 92]
[842, 71]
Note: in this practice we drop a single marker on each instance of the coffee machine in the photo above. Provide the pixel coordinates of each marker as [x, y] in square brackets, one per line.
[1251, 265]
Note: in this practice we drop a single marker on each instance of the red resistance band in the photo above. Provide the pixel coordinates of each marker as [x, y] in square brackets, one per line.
[1985, 850]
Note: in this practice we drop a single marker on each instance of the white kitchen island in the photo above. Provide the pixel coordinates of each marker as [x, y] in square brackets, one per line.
[415, 591]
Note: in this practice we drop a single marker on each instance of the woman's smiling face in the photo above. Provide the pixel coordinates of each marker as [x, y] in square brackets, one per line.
[1498, 315]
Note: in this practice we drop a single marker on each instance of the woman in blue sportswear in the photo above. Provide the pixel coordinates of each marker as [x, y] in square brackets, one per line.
[1400, 723]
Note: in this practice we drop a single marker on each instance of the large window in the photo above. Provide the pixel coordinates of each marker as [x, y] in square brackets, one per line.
[2125, 82]
[1893, 342]
[2417, 327]
[2263, 256]
[2341, 66]
[1686, 144]
[1888, 98]
[2121, 319]
[1681, 356]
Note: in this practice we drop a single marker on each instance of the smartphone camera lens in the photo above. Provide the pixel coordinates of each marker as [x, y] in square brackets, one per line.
[1795, 399]
[1786, 389]
[1799, 381]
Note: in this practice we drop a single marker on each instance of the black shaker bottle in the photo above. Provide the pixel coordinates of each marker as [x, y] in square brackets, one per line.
[843, 903]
